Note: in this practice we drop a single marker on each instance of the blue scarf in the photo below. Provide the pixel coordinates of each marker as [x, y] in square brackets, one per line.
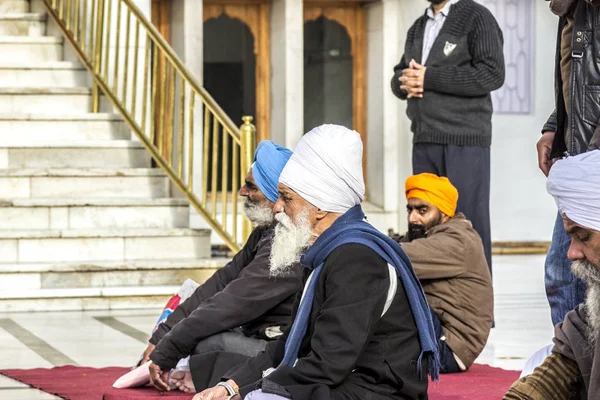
[352, 228]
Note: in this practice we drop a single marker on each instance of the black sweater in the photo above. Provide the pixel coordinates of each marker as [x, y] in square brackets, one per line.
[349, 352]
[456, 107]
[242, 293]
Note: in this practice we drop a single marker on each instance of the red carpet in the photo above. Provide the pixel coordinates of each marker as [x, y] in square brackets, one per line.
[81, 383]
[481, 382]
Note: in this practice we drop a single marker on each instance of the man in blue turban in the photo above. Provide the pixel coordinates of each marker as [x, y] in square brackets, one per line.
[243, 305]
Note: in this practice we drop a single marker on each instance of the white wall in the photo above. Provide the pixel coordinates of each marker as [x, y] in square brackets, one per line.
[521, 208]
[287, 72]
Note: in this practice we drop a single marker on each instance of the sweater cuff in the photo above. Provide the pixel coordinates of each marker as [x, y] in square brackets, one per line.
[165, 363]
[395, 85]
[433, 79]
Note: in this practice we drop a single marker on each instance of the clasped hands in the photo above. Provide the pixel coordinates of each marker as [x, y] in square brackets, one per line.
[412, 79]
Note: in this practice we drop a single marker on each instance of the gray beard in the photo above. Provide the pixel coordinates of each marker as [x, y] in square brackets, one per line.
[259, 214]
[289, 242]
[591, 276]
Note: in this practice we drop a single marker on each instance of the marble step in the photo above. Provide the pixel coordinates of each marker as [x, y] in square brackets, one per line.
[22, 24]
[14, 6]
[50, 100]
[62, 127]
[81, 154]
[84, 299]
[84, 183]
[101, 274]
[30, 246]
[47, 74]
[106, 213]
[30, 48]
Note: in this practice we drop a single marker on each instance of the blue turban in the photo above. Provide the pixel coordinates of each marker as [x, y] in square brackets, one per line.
[269, 160]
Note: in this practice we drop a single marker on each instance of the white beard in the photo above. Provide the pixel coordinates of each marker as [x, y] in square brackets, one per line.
[259, 214]
[591, 275]
[289, 242]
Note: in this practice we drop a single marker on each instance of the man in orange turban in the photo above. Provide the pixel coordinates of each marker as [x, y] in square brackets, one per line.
[448, 257]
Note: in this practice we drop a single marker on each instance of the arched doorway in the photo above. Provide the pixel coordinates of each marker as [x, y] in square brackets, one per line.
[335, 66]
[230, 66]
[327, 74]
[236, 40]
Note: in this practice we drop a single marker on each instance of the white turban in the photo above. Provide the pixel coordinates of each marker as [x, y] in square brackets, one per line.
[574, 182]
[326, 168]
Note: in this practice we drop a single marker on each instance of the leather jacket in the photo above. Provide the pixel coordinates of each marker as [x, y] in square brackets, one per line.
[580, 131]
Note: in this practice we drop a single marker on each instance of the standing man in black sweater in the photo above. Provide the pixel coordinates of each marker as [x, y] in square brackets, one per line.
[452, 60]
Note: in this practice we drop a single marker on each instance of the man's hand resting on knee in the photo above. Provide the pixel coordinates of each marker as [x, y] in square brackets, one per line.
[159, 378]
[218, 393]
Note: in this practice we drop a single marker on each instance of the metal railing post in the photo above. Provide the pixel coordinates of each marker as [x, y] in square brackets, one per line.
[248, 145]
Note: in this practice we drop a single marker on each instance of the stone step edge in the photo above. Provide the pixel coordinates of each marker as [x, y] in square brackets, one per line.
[101, 233]
[114, 266]
[82, 172]
[116, 291]
[70, 144]
[31, 40]
[45, 91]
[94, 202]
[12, 16]
[30, 65]
[83, 117]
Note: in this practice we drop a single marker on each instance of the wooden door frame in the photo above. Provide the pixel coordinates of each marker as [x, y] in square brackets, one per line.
[255, 14]
[160, 17]
[351, 15]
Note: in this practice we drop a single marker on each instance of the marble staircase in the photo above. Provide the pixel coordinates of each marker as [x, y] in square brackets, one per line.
[85, 222]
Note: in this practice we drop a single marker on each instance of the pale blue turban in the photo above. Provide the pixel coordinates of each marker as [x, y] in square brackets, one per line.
[269, 160]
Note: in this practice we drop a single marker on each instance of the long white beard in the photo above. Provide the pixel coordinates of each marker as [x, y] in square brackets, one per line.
[591, 275]
[259, 214]
[289, 242]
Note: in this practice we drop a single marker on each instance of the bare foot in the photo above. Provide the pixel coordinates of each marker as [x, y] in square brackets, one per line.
[182, 379]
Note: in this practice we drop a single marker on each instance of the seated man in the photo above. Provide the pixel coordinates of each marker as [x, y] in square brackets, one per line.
[361, 328]
[448, 257]
[242, 306]
[572, 371]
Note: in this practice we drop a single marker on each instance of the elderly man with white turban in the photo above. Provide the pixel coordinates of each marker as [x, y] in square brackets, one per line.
[361, 327]
[572, 371]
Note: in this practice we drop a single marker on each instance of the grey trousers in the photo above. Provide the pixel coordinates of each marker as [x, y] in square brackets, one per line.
[233, 341]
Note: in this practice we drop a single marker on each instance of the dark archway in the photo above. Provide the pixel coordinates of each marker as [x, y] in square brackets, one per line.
[328, 85]
[229, 76]
[230, 66]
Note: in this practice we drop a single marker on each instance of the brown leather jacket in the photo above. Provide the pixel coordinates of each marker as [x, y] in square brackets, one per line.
[451, 265]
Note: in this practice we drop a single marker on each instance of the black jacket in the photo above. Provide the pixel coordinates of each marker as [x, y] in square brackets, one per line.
[242, 293]
[350, 351]
[465, 64]
[578, 131]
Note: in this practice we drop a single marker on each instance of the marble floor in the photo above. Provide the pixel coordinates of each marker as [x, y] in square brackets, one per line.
[117, 338]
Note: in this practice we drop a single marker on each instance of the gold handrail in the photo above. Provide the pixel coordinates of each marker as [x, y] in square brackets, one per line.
[158, 99]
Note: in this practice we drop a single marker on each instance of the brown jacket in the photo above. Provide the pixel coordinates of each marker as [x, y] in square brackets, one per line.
[451, 265]
[572, 371]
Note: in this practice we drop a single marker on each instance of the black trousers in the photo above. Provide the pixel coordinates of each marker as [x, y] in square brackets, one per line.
[447, 361]
[468, 168]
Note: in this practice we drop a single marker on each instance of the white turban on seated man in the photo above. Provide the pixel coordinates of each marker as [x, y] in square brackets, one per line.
[361, 326]
[572, 371]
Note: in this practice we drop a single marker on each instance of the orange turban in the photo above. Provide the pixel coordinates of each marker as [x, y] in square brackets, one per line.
[436, 190]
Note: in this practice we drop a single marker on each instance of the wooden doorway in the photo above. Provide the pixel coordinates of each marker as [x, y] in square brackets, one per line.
[335, 34]
[349, 15]
[254, 14]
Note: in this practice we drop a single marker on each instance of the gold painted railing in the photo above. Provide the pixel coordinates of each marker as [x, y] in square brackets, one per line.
[173, 116]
